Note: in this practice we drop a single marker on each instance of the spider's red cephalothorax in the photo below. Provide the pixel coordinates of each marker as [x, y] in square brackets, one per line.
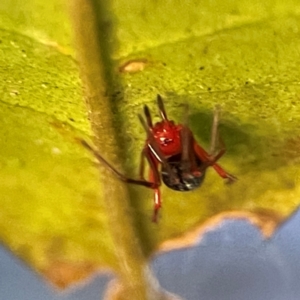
[167, 136]
[173, 155]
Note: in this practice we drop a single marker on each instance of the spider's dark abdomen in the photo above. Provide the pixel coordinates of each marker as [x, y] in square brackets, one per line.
[181, 181]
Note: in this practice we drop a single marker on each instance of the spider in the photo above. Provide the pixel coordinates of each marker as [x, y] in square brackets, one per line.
[173, 155]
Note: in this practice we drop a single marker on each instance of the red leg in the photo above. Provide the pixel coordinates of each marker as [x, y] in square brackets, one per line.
[157, 204]
[154, 156]
[212, 161]
[154, 177]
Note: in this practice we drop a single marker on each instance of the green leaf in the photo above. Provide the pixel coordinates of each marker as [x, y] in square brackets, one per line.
[239, 55]
[50, 204]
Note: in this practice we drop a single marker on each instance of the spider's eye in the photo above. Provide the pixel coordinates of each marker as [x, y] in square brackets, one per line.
[166, 141]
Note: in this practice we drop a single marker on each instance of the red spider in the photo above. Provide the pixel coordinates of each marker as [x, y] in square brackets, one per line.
[171, 147]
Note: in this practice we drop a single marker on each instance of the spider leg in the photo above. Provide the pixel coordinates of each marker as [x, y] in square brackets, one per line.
[154, 156]
[154, 177]
[209, 160]
[188, 158]
[214, 131]
[157, 204]
[148, 184]
[148, 117]
[161, 107]
[216, 139]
